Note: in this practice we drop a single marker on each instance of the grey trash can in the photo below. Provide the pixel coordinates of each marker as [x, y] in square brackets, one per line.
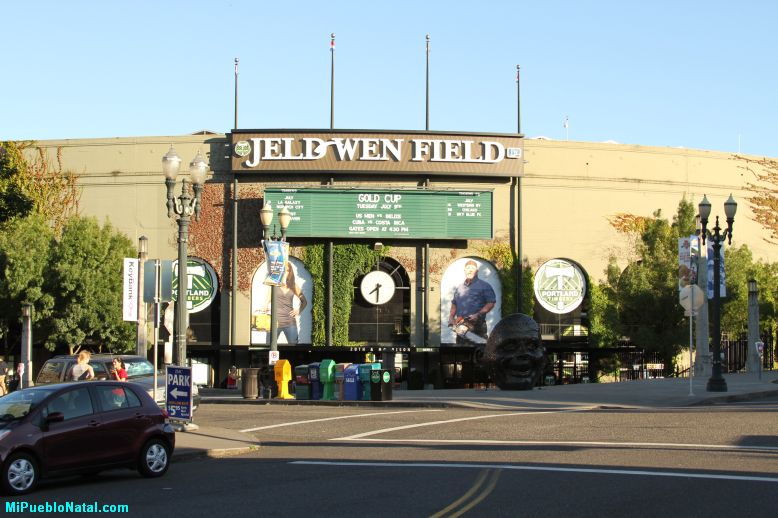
[250, 387]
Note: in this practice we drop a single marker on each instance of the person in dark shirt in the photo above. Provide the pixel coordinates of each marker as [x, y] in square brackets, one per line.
[470, 303]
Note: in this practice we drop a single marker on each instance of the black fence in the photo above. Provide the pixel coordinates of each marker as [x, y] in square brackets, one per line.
[734, 353]
[567, 365]
[574, 364]
[608, 364]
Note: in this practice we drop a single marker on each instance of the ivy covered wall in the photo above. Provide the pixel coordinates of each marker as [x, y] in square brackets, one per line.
[349, 262]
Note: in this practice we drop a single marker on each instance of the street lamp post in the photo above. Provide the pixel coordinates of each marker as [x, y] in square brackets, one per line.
[716, 382]
[183, 207]
[25, 379]
[753, 359]
[141, 345]
[266, 217]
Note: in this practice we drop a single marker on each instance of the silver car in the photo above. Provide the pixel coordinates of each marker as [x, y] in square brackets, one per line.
[139, 371]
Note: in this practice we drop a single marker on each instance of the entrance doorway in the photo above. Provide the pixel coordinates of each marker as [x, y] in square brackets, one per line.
[382, 322]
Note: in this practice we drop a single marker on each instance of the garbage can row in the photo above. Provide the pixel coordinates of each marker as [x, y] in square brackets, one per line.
[325, 380]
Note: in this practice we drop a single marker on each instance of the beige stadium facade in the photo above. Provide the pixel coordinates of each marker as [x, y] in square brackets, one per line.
[560, 194]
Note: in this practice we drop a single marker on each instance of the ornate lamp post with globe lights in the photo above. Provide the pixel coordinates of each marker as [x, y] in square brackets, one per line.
[183, 208]
[716, 382]
[266, 217]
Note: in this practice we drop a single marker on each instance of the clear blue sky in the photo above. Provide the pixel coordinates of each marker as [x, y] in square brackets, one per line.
[697, 74]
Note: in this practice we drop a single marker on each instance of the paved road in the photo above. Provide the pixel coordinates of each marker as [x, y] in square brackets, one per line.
[331, 461]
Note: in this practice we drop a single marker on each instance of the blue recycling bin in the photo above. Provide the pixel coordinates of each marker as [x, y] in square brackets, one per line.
[314, 381]
[352, 387]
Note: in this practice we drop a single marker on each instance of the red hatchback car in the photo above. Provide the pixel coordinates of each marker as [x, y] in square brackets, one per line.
[70, 428]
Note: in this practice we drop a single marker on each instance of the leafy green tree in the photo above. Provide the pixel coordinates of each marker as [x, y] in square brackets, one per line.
[603, 311]
[645, 293]
[85, 280]
[14, 203]
[25, 250]
[739, 267]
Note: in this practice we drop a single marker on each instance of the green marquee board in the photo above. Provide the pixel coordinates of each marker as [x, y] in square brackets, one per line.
[379, 213]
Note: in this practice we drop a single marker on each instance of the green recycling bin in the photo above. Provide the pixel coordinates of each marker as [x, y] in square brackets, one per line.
[327, 378]
[302, 387]
[381, 383]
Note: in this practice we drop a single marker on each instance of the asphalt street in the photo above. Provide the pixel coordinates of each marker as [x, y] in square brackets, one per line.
[326, 461]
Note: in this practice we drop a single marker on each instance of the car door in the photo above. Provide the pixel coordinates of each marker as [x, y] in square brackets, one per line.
[125, 423]
[75, 442]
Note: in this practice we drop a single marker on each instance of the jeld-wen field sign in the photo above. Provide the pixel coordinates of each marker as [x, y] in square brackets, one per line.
[376, 213]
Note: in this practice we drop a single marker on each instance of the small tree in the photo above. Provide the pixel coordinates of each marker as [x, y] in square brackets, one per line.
[645, 293]
[14, 202]
[85, 279]
[25, 249]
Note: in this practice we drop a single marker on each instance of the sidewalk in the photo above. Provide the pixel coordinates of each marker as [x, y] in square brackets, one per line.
[658, 393]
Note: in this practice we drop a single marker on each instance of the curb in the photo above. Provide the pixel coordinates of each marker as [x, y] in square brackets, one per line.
[215, 453]
[319, 402]
[733, 398]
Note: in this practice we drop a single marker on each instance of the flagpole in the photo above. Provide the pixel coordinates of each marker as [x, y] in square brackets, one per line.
[427, 123]
[519, 273]
[425, 292]
[330, 246]
[518, 99]
[235, 124]
[234, 280]
[332, 81]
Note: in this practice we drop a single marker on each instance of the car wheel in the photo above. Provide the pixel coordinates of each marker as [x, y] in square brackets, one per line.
[154, 458]
[20, 474]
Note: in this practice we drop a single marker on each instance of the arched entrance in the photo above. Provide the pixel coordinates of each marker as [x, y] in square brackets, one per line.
[381, 312]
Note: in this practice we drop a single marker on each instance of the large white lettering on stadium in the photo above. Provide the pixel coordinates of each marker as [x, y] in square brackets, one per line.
[374, 149]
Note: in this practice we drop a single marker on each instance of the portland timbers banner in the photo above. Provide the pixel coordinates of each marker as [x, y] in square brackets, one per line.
[277, 253]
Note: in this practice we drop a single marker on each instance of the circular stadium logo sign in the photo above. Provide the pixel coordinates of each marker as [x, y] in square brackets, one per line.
[201, 284]
[242, 148]
[560, 286]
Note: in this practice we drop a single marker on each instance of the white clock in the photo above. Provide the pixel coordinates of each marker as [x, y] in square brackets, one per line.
[377, 287]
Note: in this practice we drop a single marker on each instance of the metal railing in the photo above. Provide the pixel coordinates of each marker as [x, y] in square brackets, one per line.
[735, 352]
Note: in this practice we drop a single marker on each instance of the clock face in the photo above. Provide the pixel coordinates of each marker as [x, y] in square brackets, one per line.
[377, 287]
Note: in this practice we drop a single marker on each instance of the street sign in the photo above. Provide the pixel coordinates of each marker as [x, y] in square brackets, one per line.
[691, 297]
[164, 277]
[273, 357]
[759, 348]
[178, 392]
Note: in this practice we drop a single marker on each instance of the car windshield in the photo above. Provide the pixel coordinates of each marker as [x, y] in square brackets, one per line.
[20, 403]
[138, 367]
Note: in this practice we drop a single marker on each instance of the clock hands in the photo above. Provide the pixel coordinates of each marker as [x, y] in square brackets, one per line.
[376, 290]
[377, 287]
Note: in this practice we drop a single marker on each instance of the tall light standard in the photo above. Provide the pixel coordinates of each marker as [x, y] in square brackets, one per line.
[25, 379]
[716, 382]
[753, 360]
[266, 217]
[141, 345]
[183, 207]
